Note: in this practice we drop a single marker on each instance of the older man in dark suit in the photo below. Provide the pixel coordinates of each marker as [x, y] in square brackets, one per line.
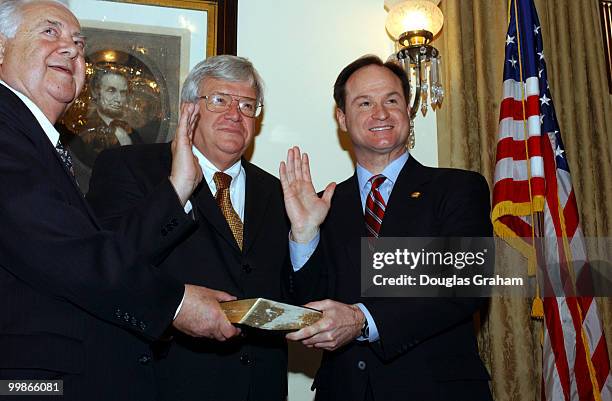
[385, 349]
[240, 245]
[76, 302]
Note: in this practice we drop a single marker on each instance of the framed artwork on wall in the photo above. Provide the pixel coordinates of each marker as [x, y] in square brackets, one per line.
[605, 8]
[138, 54]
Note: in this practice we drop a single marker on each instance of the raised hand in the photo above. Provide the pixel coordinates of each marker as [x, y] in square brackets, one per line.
[305, 209]
[201, 315]
[186, 172]
[340, 324]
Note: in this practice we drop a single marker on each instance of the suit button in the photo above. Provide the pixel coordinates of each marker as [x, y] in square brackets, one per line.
[361, 365]
[246, 268]
[144, 359]
[245, 360]
[126, 317]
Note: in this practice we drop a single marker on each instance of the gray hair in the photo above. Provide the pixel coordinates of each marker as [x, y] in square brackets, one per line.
[225, 67]
[10, 14]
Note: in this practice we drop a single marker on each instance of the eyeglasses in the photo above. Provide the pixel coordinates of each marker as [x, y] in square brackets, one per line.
[221, 102]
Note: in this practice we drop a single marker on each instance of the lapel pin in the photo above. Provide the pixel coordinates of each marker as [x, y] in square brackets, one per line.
[415, 195]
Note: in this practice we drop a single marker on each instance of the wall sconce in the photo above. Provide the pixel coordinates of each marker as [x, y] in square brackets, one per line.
[413, 24]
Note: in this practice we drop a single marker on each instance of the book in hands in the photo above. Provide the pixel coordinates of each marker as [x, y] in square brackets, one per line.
[269, 315]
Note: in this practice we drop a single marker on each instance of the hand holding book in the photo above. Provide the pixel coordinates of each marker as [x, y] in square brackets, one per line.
[269, 315]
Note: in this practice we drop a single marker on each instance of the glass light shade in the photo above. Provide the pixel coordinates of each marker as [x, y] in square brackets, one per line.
[414, 15]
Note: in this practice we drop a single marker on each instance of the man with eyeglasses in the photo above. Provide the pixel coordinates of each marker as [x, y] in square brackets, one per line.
[240, 243]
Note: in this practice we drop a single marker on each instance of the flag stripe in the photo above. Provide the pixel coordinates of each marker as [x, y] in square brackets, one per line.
[517, 150]
[512, 108]
[517, 191]
[601, 361]
[517, 169]
[560, 362]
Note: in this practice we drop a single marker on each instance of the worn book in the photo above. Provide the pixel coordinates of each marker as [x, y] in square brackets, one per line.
[269, 315]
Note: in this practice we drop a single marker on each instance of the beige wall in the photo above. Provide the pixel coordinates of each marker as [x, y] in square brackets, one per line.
[299, 47]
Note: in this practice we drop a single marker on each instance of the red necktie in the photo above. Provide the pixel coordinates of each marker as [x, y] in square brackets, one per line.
[375, 206]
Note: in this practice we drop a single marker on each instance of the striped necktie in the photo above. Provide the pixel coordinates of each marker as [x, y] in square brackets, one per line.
[375, 206]
[223, 181]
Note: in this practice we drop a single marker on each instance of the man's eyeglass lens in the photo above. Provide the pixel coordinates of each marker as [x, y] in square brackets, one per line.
[220, 102]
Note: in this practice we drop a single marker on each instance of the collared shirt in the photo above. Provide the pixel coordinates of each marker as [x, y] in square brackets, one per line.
[237, 186]
[391, 172]
[300, 253]
[44, 122]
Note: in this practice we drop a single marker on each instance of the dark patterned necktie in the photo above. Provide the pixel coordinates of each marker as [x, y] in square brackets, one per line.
[375, 206]
[65, 156]
[223, 181]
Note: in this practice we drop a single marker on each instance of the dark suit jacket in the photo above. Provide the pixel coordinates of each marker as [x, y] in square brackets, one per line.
[74, 301]
[125, 193]
[427, 349]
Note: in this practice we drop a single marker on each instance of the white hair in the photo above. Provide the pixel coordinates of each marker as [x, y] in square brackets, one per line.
[10, 14]
[225, 67]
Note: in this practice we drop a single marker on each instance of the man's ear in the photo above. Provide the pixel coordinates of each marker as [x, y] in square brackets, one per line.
[3, 40]
[341, 117]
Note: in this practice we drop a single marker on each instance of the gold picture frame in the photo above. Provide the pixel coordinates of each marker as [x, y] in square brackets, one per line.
[210, 7]
[605, 8]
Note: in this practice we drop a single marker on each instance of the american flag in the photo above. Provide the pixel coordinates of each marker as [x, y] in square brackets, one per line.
[533, 198]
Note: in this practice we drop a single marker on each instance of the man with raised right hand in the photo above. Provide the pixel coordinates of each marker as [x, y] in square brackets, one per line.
[385, 349]
[239, 246]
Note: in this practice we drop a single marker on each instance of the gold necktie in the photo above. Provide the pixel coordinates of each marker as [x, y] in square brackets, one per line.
[223, 181]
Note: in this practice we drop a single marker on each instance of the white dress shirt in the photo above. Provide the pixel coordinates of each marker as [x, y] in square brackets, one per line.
[237, 186]
[43, 121]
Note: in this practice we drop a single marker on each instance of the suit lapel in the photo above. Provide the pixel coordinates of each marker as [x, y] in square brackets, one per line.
[405, 200]
[256, 204]
[32, 129]
[207, 209]
[204, 205]
[69, 180]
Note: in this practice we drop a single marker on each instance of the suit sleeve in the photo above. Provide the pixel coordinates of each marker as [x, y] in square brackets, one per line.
[151, 220]
[50, 243]
[404, 323]
[311, 281]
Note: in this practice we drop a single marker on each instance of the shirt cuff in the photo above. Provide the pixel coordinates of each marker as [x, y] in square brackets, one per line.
[179, 307]
[373, 335]
[300, 253]
[188, 207]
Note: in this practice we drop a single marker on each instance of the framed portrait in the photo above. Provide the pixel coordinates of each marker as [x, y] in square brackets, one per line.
[138, 54]
[605, 9]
